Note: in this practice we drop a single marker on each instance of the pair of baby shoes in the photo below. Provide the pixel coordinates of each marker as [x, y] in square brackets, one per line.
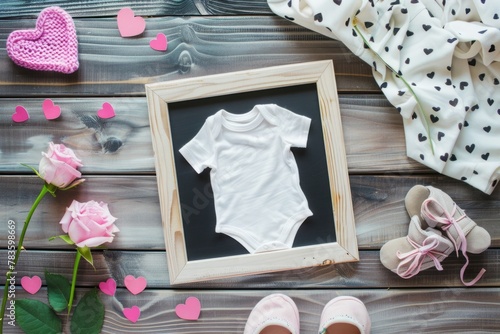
[438, 226]
[278, 314]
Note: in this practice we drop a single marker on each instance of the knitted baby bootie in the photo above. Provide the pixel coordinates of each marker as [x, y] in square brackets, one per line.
[51, 46]
[439, 211]
[421, 249]
[346, 315]
[274, 314]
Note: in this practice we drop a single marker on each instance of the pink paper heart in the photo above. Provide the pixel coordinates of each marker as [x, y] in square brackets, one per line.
[51, 46]
[133, 313]
[31, 284]
[50, 110]
[135, 285]
[190, 310]
[20, 115]
[128, 24]
[159, 43]
[107, 111]
[108, 287]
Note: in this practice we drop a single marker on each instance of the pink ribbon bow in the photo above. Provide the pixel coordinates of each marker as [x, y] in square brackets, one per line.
[448, 220]
[414, 259]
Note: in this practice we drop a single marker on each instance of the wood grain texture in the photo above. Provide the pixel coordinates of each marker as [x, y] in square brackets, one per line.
[98, 8]
[368, 273]
[211, 37]
[123, 144]
[378, 207]
[338, 173]
[168, 192]
[433, 310]
[222, 7]
[117, 145]
[133, 200]
[197, 46]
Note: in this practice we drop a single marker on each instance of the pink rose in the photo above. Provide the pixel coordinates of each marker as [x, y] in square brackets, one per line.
[89, 224]
[58, 166]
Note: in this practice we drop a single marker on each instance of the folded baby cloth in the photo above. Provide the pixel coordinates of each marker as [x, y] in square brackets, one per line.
[436, 62]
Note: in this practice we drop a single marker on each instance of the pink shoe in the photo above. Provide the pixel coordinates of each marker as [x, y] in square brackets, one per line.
[274, 314]
[345, 315]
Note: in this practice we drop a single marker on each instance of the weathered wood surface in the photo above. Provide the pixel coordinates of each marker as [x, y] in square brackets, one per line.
[392, 311]
[207, 37]
[378, 208]
[118, 145]
[112, 65]
[98, 8]
[367, 273]
[123, 144]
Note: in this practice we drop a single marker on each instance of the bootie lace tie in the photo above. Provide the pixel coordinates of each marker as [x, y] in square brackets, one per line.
[414, 259]
[448, 221]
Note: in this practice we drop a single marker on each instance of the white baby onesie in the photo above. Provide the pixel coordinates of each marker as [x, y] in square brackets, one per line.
[257, 196]
[437, 62]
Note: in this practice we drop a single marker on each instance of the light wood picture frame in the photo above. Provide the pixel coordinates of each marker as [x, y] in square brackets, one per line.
[161, 95]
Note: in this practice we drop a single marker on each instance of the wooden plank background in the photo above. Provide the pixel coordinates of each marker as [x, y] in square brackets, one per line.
[207, 37]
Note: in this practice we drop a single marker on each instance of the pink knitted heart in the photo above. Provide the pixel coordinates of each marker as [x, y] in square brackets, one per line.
[52, 46]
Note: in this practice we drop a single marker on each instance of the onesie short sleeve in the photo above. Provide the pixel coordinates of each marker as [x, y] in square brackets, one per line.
[199, 151]
[294, 128]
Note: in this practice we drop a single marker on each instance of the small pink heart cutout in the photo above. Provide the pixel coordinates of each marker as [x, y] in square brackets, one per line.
[133, 313]
[20, 115]
[135, 285]
[31, 284]
[107, 111]
[50, 110]
[51, 46]
[159, 43]
[130, 25]
[108, 287]
[190, 310]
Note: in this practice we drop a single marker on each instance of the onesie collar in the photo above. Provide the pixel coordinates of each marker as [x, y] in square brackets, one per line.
[241, 122]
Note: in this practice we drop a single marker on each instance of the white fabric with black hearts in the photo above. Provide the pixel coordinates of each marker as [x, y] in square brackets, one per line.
[437, 62]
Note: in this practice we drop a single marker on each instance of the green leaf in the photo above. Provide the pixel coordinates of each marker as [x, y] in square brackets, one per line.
[35, 317]
[87, 255]
[51, 189]
[64, 237]
[88, 317]
[58, 290]
[33, 169]
[74, 184]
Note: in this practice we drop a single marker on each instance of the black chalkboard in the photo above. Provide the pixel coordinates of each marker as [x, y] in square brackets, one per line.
[198, 213]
